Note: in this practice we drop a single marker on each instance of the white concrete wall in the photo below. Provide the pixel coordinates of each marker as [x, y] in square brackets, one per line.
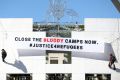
[82, 63]
[16, 24]
[105, 26]
[102, 24]
[13, 25]
[111, 25]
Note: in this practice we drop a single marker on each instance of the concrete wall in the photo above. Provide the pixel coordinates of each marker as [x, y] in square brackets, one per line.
[105, 25]
[16, 24]
[33, 61]
[102, 24]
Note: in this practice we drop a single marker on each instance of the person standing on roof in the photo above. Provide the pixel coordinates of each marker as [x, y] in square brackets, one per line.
[4, 54]
[112, 60]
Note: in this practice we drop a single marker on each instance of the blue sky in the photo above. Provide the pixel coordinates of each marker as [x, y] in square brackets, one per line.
[37, 9]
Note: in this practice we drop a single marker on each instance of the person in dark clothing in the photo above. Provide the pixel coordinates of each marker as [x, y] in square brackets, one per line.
[4, 54]
[112, 60]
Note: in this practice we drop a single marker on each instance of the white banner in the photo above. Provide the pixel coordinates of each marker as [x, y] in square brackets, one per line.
[35, 41]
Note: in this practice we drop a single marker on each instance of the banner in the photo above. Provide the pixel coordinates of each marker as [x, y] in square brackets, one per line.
[31, 41]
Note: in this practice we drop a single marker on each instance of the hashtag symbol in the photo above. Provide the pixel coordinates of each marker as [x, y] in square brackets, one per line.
[30, 45]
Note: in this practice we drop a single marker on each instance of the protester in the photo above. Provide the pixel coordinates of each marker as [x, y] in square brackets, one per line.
[112, 60]
[4, 54]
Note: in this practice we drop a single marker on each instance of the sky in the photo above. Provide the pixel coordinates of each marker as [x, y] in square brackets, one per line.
[37, 9]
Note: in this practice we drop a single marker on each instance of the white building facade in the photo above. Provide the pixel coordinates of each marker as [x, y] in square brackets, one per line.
[33, 61]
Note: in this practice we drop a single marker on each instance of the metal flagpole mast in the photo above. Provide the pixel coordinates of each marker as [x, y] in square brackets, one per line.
[57, 9]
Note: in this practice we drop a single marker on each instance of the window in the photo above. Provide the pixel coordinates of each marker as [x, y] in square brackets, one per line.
[53, 61]
[19, 77]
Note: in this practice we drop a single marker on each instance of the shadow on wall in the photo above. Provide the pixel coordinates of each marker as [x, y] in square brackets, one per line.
[117, 70]
[18, 64]
[31, 52]
[96, 55]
